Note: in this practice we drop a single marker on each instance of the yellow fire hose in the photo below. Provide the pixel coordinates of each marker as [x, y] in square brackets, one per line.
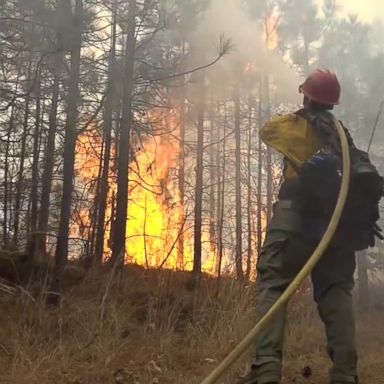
[228, 362]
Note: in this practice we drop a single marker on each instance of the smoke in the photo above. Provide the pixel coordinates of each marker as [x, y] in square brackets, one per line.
[228, 18]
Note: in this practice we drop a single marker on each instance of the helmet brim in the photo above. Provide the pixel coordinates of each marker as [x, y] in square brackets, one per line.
[312, 98]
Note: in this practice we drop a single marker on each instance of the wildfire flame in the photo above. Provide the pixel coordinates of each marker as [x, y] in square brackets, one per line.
[156, 217]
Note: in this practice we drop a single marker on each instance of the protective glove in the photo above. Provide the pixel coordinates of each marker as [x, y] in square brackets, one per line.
[321, 162]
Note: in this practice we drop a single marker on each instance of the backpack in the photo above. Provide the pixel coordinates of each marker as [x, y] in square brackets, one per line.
[361, 211]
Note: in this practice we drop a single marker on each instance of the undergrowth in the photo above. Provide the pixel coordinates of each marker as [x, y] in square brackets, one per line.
[148, 327]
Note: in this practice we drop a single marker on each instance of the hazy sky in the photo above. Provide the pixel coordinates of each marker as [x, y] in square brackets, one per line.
[366, 9]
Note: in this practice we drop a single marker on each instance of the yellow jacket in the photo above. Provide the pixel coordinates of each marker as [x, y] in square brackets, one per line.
[294, 137]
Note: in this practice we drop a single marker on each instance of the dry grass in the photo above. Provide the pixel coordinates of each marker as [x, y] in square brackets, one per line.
[148, 327]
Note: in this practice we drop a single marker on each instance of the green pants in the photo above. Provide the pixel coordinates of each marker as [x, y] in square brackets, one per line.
[282, 256]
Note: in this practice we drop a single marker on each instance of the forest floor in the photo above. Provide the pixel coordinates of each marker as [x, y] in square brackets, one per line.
[148, 327]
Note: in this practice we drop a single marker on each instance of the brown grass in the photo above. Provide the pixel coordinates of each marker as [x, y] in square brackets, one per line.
[148, 327]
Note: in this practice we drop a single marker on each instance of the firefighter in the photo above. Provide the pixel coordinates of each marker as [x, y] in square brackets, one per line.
[312, 160]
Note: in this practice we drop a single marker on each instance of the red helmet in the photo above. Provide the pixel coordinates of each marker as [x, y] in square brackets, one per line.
[322, 87]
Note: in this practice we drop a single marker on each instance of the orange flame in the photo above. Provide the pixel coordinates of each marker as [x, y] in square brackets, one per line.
[154, 214]
[156, 217]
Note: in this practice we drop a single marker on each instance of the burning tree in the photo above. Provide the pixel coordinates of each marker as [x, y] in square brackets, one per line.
[139, 170]
[121, 143]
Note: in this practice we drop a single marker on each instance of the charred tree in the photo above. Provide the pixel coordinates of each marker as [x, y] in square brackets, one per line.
[181, 179]
[89, 250]
[259, 184]
[212, 182]
[37, 246]
[36, 157]
[266, 117]
[118, 246]
[20, 178]
[249, 190]
[73, 99]
[221, 203]
[197, 262]
[108, 121]
[7, 197]
[218, 150]
[239, 230]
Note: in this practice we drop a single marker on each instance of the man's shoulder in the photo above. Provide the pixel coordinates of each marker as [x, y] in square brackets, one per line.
[286, 121]
[284, 117]
[287, 128]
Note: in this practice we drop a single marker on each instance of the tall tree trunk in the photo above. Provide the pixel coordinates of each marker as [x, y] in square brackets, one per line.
[112, 220]
[199, 183]
[108, 120]
[259, 183]
[267, 116]
[35, 163]
[249, 188]
[6, 198]
[221, 200]
[218, 192]
[118, 247]
[37, 246]
[20, 179]
[73, 98]
[94, 214]
[212, 185]
[239, 231]
[181, 179]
